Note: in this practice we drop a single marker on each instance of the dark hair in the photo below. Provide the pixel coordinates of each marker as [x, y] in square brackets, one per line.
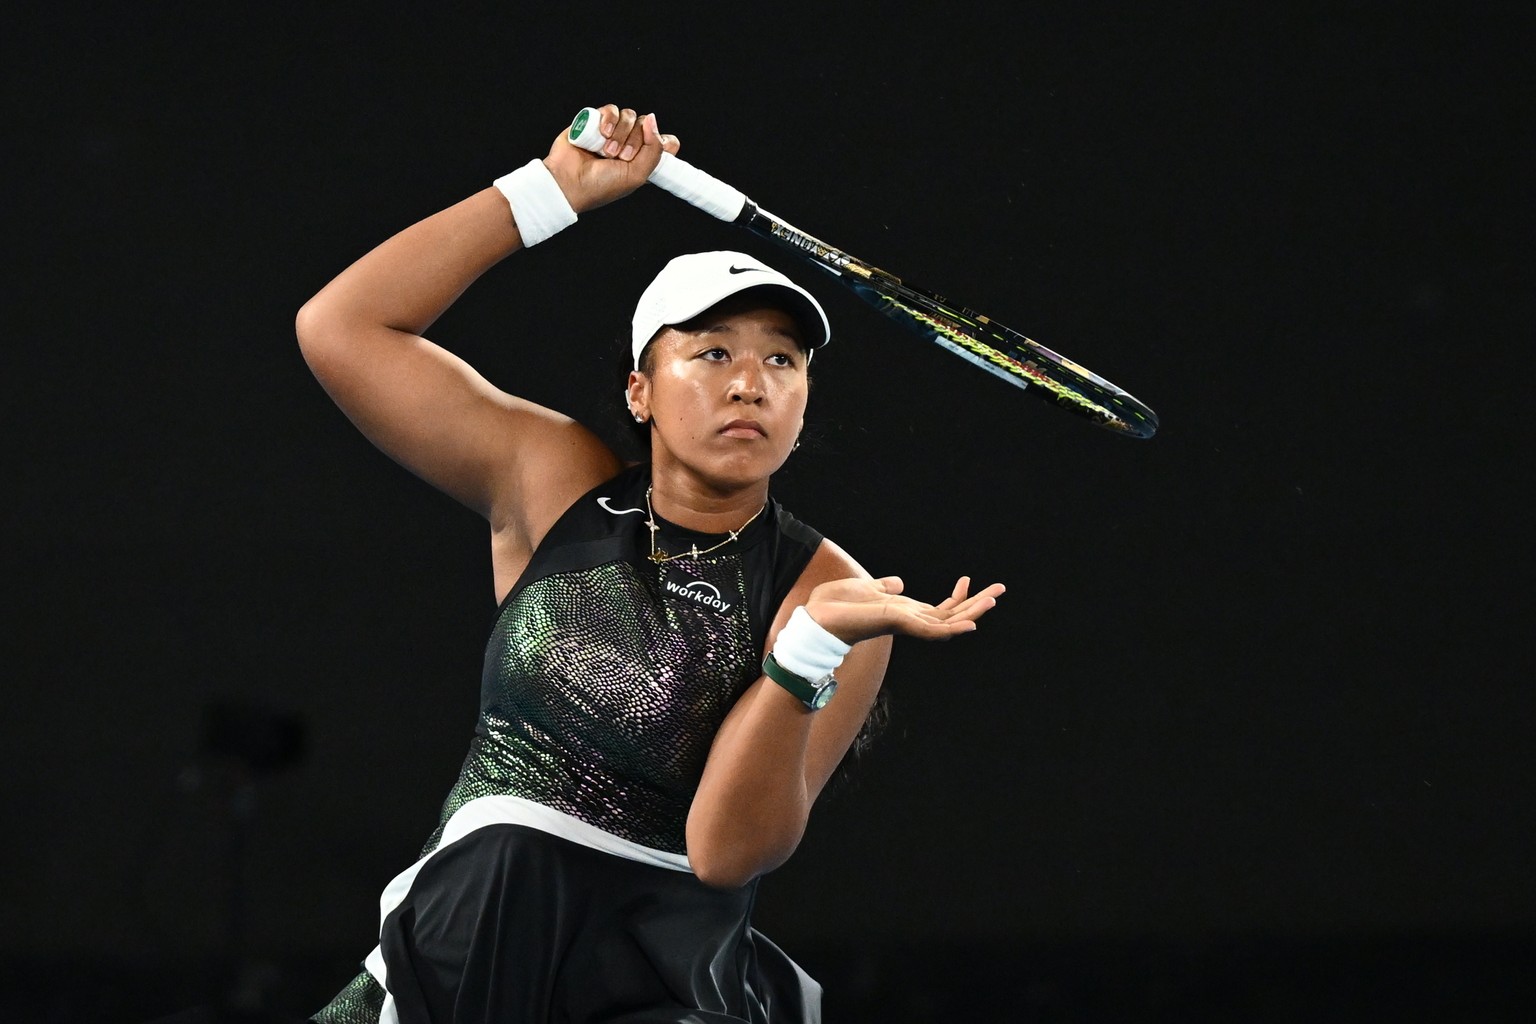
[631, 441]
[874, 724]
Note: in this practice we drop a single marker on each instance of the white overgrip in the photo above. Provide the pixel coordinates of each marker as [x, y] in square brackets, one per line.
[679, 177]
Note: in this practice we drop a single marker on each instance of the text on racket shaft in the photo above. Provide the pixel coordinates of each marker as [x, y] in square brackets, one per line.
[822, 251]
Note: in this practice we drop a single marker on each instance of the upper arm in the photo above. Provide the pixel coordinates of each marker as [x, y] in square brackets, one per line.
[515, 462]
[507, 458]
[859, 677]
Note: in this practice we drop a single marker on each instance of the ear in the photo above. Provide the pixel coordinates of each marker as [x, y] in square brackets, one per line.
[637, 393]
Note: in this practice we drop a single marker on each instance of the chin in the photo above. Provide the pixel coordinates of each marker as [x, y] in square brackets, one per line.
[734, 472]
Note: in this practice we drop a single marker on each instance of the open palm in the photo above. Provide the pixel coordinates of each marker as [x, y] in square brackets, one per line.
[857, 609]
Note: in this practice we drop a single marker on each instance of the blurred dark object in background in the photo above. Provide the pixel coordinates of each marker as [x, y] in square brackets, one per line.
[261, 741]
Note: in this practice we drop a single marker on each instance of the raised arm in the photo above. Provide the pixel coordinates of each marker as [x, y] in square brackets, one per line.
[427, 408]
[772, 756]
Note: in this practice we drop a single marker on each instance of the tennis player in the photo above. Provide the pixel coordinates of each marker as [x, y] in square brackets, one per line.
[677, 665]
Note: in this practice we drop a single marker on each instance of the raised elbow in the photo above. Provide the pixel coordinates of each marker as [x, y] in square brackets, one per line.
[324, 339]
[730, 857]
[310, 325]
[721, 872]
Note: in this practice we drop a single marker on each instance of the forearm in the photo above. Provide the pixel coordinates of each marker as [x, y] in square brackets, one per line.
[407, 282]
[753, 802]
[773, 754]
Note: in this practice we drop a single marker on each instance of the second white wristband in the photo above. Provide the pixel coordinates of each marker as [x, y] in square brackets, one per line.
[538, 206]
[805, 648]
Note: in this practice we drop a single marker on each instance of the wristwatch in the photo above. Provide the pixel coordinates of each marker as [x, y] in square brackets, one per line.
[813, 693]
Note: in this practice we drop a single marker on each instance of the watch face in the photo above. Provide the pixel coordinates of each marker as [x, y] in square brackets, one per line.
[824, 694]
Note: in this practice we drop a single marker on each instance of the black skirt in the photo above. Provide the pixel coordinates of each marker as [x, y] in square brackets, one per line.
[512, 925]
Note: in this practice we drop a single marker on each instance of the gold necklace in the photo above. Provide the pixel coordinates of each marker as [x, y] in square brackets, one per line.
[693, 552]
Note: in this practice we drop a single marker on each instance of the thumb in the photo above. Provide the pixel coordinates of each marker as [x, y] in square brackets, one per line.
[653, 133]
[891, 584]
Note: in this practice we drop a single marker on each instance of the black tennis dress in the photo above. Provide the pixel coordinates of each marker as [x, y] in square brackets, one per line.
[556, 887]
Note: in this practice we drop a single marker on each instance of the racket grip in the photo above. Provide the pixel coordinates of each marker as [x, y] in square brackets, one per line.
[679, 177]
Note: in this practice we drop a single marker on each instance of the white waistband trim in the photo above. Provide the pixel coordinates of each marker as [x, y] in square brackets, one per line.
[513, 810]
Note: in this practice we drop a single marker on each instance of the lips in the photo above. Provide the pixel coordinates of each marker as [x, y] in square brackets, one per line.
[743, 428]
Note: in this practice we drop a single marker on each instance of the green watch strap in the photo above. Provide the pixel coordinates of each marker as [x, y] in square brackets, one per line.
[807, 692]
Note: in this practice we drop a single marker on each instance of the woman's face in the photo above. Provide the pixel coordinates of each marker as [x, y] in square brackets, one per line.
[725, 394]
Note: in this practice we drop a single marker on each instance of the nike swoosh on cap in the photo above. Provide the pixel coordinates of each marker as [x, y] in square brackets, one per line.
[743, 270]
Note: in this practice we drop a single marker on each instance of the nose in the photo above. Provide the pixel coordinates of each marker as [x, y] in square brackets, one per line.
[747, 383]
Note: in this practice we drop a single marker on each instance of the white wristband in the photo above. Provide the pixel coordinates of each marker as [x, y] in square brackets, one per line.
[538, 206]
[806, 649]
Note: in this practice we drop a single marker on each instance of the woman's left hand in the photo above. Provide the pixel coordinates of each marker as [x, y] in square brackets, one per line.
[857, 609]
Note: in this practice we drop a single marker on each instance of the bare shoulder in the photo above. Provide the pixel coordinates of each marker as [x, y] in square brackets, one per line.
[554, 461]
[830, 562]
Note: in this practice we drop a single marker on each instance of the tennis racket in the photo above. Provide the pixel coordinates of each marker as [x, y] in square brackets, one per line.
[978, 339]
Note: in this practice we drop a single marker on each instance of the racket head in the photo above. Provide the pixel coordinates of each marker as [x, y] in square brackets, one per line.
[1000, 350]
[1019, 360]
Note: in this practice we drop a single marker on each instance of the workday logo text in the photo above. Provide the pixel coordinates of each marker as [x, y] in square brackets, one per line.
[699, 591]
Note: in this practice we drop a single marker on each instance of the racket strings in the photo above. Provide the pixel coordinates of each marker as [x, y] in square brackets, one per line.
[1027, 369]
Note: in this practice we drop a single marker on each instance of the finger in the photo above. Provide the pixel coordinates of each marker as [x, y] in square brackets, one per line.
[970, 609]
[607, 119]
[924, 629]
[649, 154]
[962, 586]
[973, 609]
[618, 138]
[891, 584]
[632, 139]
[942, 623]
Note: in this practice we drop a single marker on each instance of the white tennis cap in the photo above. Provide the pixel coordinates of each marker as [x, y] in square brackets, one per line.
[690, 284]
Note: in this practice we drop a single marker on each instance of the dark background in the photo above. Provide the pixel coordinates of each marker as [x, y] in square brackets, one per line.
[1248, 739]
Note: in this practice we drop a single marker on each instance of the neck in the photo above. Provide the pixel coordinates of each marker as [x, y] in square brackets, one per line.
[680, 497]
